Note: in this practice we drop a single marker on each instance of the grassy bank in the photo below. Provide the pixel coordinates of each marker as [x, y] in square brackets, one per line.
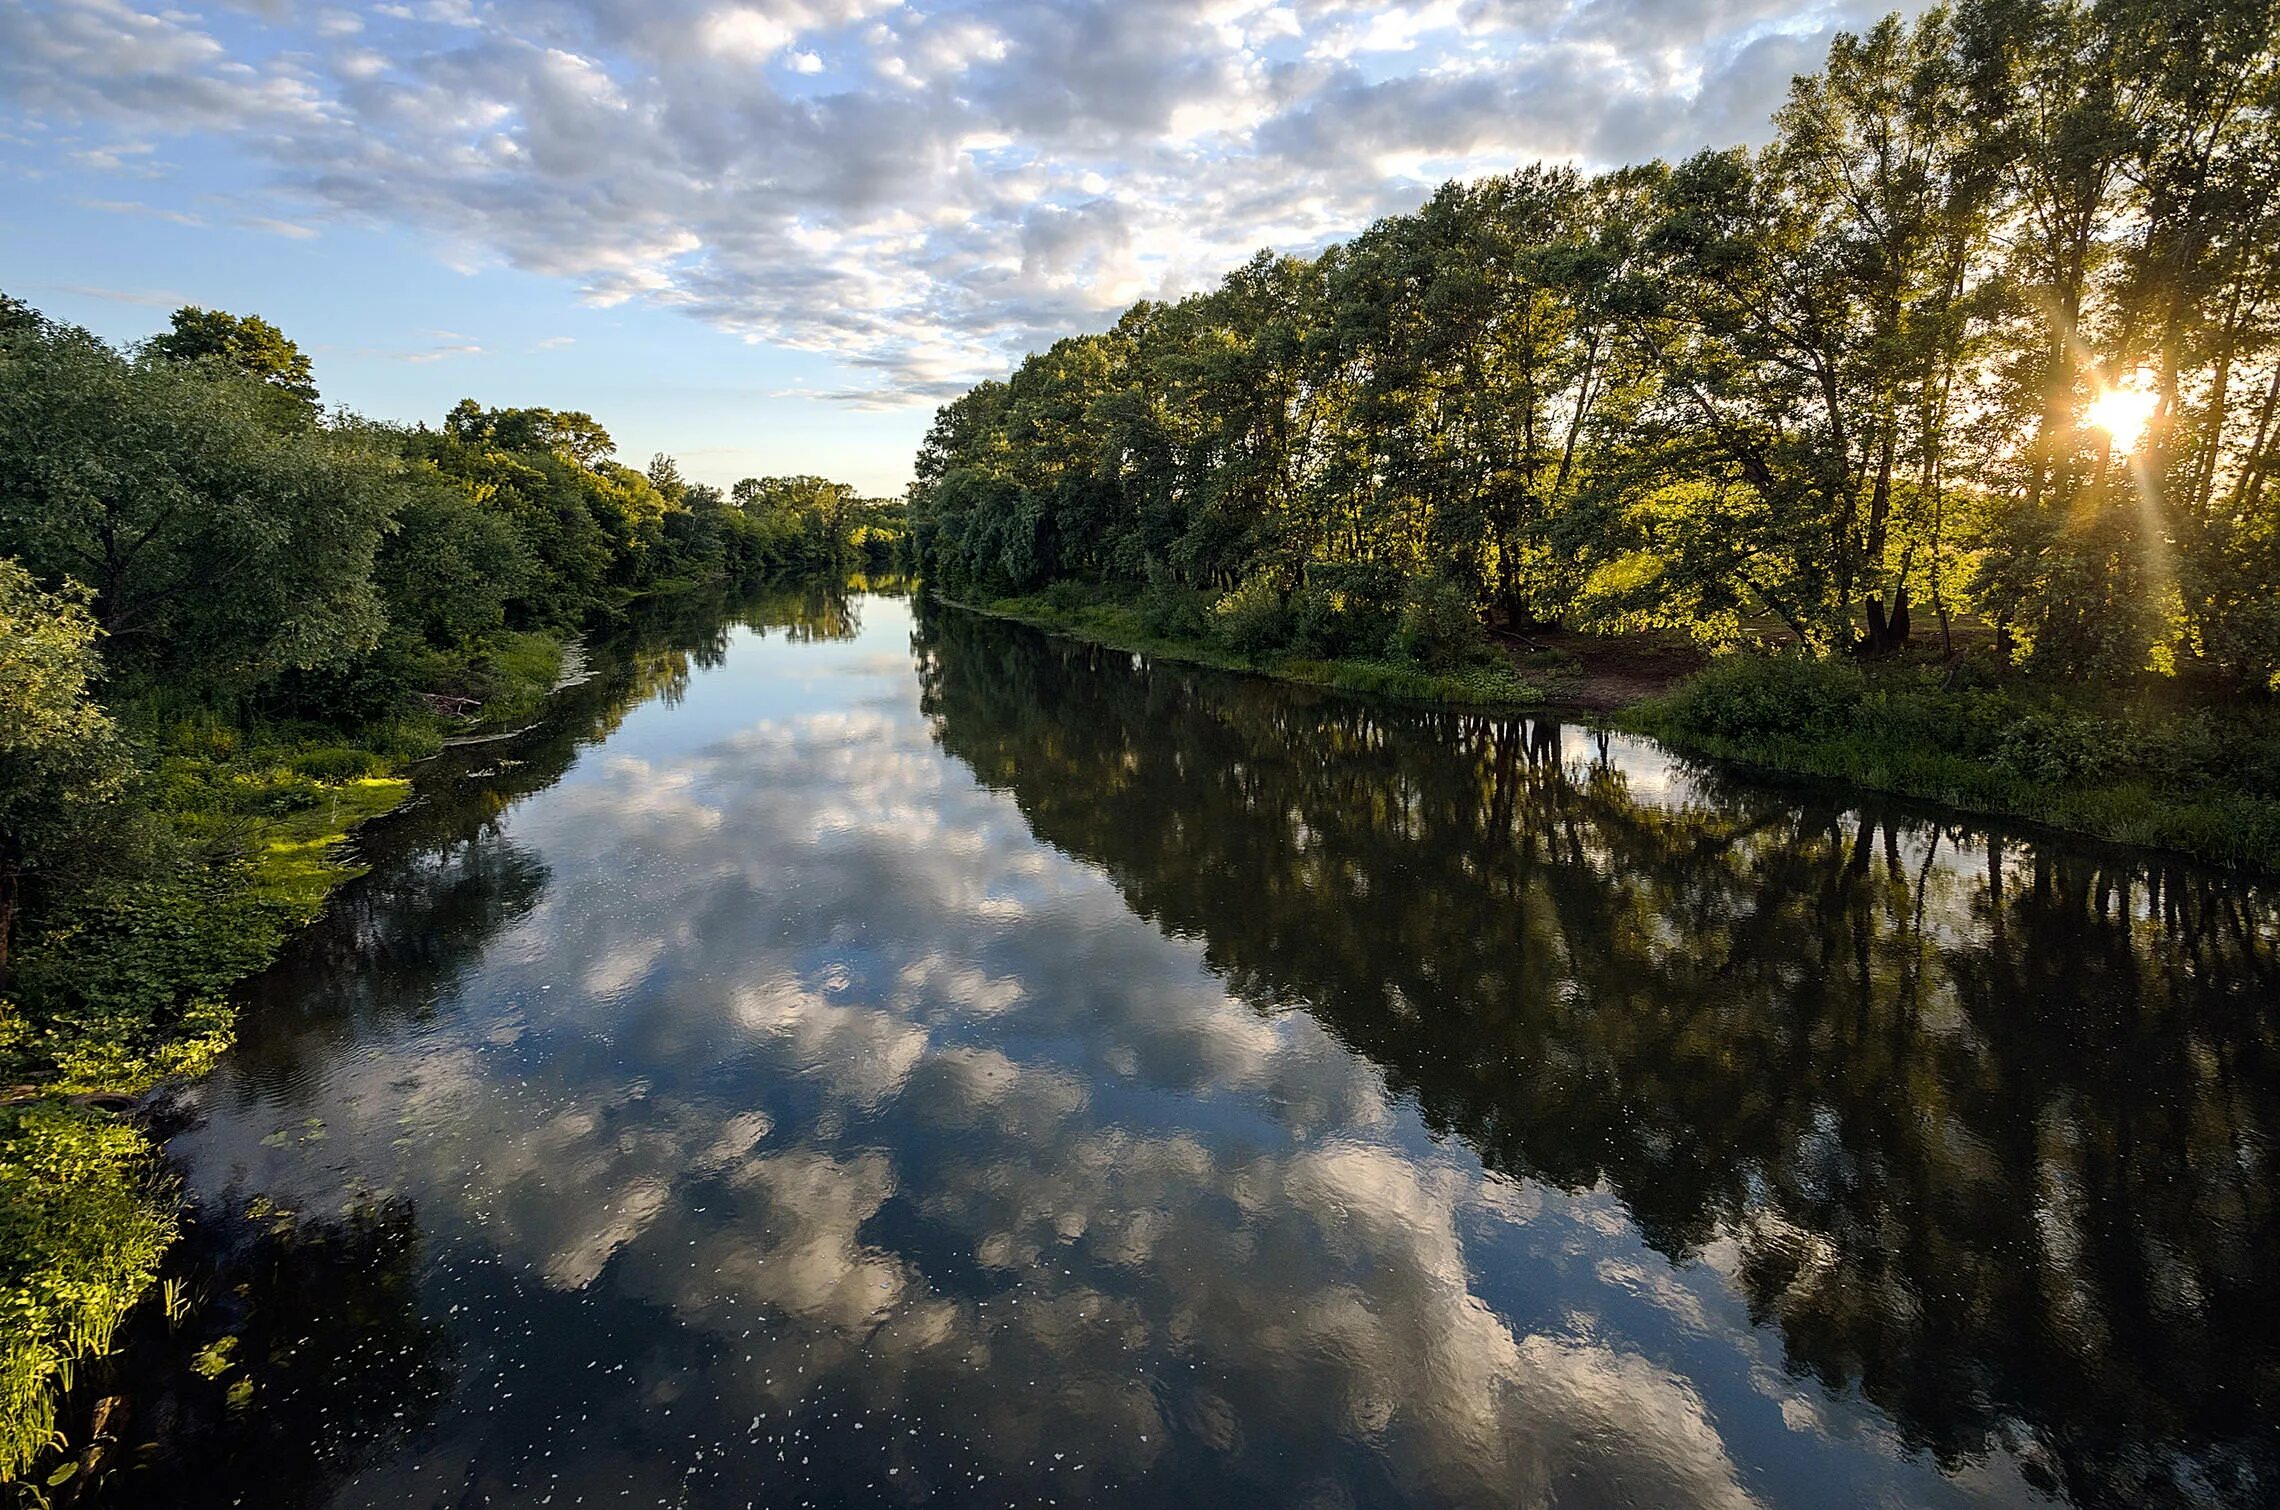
[1182, 627]
[227, 838]
[2148, 767]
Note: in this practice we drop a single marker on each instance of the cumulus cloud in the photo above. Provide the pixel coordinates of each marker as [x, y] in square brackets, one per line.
[965, 180]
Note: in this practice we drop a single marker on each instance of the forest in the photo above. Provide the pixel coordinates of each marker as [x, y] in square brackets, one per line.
[1967, 380]
[229, 619]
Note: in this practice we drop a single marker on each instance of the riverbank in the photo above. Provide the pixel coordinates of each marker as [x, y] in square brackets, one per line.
[226, 841]
[2163, 771]
[1490, 680]
[2154, 767]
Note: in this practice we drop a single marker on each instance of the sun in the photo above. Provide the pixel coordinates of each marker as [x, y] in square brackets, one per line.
[2123, 414]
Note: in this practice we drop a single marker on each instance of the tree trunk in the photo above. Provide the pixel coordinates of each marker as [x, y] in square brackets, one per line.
[1887, 632]
[7, 913]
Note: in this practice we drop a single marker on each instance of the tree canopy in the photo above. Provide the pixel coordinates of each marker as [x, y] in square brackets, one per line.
[1989, 329]
[246, 342]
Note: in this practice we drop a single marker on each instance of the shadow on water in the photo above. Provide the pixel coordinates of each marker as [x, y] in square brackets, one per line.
[1988, 1124]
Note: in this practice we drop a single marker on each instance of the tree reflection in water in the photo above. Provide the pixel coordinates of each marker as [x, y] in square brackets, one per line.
[788, 1121]
[301, 1358]
[1982, 1123]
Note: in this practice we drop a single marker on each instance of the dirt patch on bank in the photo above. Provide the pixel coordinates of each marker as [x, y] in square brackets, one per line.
[1602, 673]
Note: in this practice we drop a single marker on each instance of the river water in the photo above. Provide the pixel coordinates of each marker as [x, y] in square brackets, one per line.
[861, 1053]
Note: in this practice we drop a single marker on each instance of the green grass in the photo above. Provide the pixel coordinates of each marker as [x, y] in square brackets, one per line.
[2133, 767]
[1124, 625]
[84, 1218]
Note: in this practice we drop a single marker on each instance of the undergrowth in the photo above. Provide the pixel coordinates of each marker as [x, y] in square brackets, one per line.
[85, 1216]
[2134, 767]
[1417, 650]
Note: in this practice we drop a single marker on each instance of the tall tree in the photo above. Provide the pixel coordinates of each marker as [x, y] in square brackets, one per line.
[246, 342]
[218, 544]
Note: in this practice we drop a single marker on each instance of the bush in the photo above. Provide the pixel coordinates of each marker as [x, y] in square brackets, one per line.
[1253, 620]
[1345, 610]
[1744, 697]
[1066, 596]
[1438, 627]
[2060, 746]
[1170, 612]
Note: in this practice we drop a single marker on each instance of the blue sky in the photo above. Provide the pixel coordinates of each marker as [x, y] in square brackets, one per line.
[770, 236]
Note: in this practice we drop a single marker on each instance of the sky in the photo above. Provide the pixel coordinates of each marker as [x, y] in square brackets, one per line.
[771, 237]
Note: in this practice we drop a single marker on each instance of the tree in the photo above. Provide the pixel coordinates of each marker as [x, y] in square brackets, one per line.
[18, 320]
[665, 476]
[59, 753]
[450, 568]
[246, 342]
[220, 547]
[571, 434]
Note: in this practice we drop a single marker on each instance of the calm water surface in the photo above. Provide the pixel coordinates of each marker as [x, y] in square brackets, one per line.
[857, 1054]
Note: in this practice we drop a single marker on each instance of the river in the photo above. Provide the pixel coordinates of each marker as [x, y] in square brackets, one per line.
[860, 1053]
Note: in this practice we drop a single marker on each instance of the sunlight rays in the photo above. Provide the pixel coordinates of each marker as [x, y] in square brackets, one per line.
[2123, 412]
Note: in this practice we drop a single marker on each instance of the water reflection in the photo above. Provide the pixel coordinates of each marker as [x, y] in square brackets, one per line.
[298, 1355]
[1052, 1077]
[1983, 1126]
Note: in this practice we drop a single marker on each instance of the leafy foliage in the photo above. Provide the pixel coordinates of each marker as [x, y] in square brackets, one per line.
[247, 343]
[1824, 389]
[218, 545]
[59, 754]
[81, 1233]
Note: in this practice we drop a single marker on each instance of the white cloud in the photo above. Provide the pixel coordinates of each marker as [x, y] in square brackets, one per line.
[286, 228]
[991, 173]
[441, 351]
[145, 298]
[132, 207]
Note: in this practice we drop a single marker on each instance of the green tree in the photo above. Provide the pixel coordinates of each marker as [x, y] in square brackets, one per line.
[569, 433]
[246, 342]
[450, 569]
[221, 548]
[18, 320]
[59, 754]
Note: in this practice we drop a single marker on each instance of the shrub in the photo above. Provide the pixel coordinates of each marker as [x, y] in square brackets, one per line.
[1438, 627]
[1253, 619]
[1345, 610]
[1744, 696]
[1171, 612]
[1066, 596]
[2061, 746]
